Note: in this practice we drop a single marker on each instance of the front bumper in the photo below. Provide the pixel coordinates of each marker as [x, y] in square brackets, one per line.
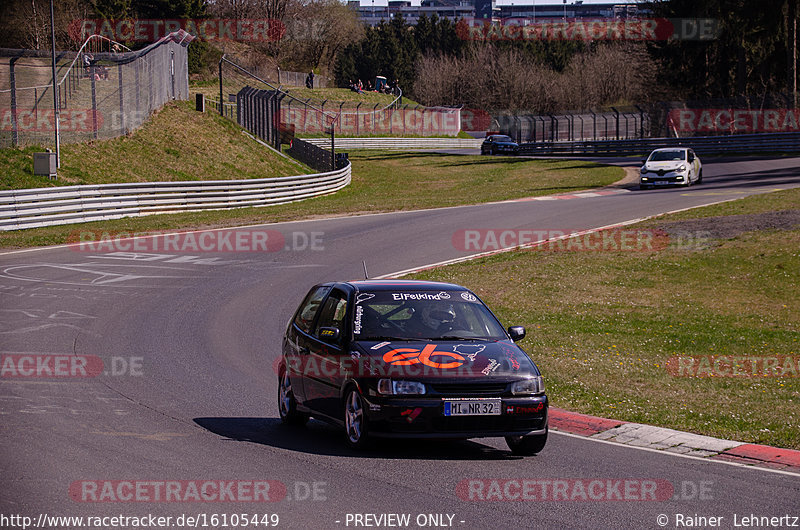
[671, 178]
[424, 418]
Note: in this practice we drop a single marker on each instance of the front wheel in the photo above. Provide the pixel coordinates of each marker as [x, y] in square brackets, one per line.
[355, 420]
[287, 405]
[527, 445]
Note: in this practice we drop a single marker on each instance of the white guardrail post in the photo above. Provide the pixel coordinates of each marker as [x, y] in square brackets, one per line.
[30, 208]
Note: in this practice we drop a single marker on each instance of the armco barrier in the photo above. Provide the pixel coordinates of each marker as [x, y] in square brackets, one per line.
[399, 143]
[29, 208]
[703, 145]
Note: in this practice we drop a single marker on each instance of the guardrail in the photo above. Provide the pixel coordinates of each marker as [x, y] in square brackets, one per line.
[399, 143]
[703, 145]
[30, 208]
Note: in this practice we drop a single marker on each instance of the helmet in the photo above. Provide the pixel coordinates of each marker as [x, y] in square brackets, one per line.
[434, 316]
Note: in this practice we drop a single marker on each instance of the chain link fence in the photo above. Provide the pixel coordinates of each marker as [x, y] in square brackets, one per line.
[299, 79]
[673, 119]
[103, 91]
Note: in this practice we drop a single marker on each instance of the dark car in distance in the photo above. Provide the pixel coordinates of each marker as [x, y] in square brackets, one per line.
[499, 144]
[409, 359]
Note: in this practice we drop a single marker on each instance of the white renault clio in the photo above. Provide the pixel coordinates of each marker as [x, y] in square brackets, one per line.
[671, 166]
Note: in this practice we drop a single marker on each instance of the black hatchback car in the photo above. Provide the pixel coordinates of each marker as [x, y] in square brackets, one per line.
[499, 144]
[400, 358]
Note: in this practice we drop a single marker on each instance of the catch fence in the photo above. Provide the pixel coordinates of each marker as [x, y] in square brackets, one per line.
[103, 90]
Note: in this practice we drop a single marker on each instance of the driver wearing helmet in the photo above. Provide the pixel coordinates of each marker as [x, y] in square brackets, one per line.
[431, 320]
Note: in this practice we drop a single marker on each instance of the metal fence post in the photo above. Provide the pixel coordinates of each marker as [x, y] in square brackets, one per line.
[221, 111]
[138, 88]
[121, 99]
[94, 100]
[14, 124]
[172, 71]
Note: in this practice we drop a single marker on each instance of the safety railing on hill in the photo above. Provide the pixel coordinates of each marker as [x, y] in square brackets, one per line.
[399, 143]
[29, 208]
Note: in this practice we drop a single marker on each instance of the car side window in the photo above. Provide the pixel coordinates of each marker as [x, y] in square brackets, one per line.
[333, 313]
[308, 309]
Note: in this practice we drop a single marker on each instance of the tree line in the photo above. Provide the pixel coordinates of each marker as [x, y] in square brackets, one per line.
[754, 54]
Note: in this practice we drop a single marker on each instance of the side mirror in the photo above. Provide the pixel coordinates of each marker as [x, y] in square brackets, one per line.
[516, 333]
[329, 334]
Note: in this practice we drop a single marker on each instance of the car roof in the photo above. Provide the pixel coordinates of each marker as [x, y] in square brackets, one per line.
[405, 285]
[671, 149]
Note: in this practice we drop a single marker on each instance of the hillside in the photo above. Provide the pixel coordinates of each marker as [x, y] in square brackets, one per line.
[177, 143]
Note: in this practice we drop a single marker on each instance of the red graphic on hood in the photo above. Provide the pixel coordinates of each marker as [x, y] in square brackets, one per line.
[409, 356]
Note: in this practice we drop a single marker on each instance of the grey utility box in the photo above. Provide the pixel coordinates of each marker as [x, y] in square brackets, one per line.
[45, 164]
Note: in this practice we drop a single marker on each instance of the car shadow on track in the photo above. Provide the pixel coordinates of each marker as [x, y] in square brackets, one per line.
[322, 439]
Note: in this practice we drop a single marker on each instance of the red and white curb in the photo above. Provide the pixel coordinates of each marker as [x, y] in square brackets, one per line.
[672, 441]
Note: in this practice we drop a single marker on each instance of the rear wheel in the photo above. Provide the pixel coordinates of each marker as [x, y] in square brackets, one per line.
[355, 420]
[287, 405]
[527, 445]
[700, 177]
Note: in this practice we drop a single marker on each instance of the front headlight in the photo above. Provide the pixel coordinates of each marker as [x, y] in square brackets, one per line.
[534, 385]
[390, 387]
[682, 168]
[643, 170]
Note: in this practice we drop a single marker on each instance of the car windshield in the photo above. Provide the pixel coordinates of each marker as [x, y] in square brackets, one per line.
[423, 315]
[665, 156]
[502, 138]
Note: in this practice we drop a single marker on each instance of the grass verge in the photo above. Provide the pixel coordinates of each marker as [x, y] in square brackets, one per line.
[603, 325]
[382, 181]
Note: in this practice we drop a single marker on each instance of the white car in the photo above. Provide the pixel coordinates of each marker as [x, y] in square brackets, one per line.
[671, 166]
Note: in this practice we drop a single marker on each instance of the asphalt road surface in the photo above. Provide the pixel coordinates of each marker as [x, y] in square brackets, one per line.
[187, 394]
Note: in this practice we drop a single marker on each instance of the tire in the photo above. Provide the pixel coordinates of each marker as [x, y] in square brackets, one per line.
[355, 420]
[527, 445]
[700, 177]
[287, 405]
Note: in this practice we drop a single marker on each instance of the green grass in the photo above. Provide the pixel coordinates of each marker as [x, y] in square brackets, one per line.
[382, 181]
[351, 99]
[602, 325]
[332, 97]
[177, 143]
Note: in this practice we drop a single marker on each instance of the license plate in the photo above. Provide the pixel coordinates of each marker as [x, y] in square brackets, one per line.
[661, 182]
[472, 407]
